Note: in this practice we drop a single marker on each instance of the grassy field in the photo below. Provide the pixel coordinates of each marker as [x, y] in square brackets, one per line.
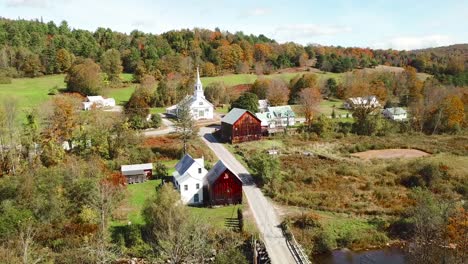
[215, 216]
[136, 196]
[30, 92]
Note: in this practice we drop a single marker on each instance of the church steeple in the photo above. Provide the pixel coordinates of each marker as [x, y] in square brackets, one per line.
[198, 86]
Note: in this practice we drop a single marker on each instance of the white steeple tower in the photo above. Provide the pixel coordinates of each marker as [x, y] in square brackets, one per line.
[198, 87]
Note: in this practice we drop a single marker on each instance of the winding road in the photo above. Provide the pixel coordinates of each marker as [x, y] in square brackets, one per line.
[266, 218]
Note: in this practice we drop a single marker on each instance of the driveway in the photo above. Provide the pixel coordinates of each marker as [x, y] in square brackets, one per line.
[266, 218]
[169, 128]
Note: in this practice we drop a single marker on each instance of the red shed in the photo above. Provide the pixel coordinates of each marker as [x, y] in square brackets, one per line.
[240, 125]
[224, 186]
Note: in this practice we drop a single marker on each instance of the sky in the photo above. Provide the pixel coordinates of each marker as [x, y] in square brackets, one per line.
[396, 24]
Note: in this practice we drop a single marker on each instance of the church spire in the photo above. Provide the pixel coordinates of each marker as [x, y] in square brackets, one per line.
[198, 86]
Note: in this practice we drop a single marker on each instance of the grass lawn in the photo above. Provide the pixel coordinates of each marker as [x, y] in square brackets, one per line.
[121, 95]
[126, 77]
[222, 110]
[215, 216]
[157, 110]
[326, 107]
[135, 200]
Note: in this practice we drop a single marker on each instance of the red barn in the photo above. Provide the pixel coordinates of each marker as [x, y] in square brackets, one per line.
[224, 186]
[240, 125]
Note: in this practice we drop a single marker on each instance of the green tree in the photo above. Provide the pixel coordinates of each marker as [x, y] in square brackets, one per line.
[265, 167]
[332, 86]
[173, 233]
[185, 125]
[84, 77]
[247, 101]
[112, 65]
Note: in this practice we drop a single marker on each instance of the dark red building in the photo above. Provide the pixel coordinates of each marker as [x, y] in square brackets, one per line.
[224, 186]
[240, 125]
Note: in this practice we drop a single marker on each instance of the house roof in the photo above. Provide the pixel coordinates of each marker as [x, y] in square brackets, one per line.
[396, 110]
[281, 111]
[136, 167]
[216, 171]
[184, 164]
[234, 115]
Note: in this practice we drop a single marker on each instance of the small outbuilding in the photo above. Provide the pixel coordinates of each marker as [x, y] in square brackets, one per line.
[395, 113]
[137, 173]
[240, 125]
[224, 186]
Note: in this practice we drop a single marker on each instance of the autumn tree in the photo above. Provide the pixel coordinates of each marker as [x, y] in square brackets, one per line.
[297, 84]
[32, 65]
[64, 60]
[278, 92]
[453, 113]
[247, 101]
[260, 87]
[217, 93]
[309, 99]
[61, 119]
[112, 65]
[84, 77]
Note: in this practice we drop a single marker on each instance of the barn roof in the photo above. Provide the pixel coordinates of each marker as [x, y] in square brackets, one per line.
[125, 169]
[234, 115]
[216, 171]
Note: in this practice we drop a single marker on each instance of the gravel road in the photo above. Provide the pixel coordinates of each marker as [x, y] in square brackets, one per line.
[266, 218]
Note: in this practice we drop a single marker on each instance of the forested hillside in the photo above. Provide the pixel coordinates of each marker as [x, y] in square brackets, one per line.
[34, 48]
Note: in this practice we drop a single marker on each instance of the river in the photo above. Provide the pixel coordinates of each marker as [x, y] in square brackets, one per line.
[346, 256]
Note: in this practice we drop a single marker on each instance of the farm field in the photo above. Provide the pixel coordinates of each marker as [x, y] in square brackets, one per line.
[32, 92]
[350, 198]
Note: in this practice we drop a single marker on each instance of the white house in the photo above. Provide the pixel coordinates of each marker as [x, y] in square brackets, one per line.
[137, 173]
[277, 116]
[200, 108]
[189, 176]
[98, 102]
[395, 113]
[366, 101]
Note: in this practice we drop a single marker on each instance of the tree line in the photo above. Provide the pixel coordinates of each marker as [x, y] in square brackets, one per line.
[34, 48]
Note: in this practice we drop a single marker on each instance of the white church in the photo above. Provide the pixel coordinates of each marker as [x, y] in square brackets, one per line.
[199, 106]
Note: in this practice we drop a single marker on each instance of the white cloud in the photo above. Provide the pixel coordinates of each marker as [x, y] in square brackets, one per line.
[300, 32]
[27, 3]
[256, 12]
[411, 43]
[142, 23]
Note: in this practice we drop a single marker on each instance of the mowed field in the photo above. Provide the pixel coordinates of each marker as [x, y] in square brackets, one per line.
[31, 92]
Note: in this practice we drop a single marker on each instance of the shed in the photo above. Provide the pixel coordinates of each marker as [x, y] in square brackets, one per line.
[224, 186]
[137, 173]
[240, 125]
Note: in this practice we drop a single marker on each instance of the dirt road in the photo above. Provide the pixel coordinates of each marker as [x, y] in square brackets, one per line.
[266, 218]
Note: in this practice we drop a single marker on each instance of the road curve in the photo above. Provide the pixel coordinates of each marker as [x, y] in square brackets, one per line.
[267, 220]
[169, 128]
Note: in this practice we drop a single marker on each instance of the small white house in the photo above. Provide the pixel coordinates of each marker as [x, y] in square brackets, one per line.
[137, 173]
[200, 108]
[189, 176]
[366, 101]
[395, 113]
[98, 102]
[277, 116]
